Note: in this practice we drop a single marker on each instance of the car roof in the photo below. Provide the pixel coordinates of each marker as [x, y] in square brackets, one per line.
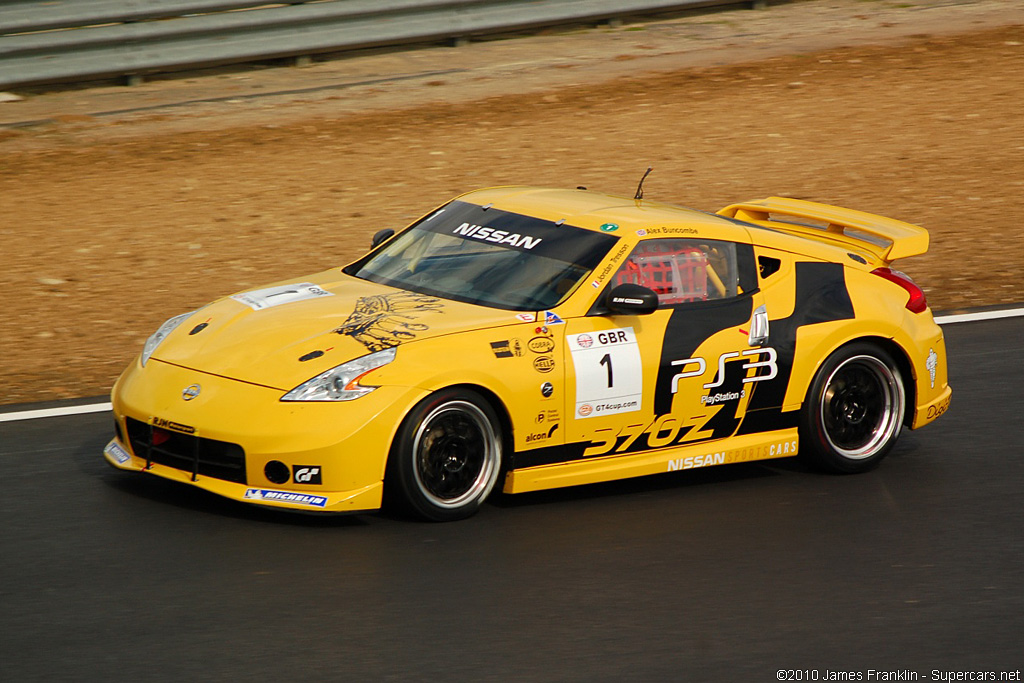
[596, 210]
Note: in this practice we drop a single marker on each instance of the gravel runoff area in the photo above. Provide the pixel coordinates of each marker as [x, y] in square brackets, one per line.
[125, 205]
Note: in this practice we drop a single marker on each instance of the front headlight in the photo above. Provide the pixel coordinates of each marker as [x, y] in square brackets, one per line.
[341, 383]
[161, 334]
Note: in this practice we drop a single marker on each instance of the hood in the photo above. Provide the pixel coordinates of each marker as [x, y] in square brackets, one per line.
[285, 334]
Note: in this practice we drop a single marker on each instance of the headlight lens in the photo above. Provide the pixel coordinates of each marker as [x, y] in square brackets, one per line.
[161, 334]
[341, 383]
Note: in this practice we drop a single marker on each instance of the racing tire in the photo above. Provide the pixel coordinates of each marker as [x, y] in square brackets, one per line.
[854, 410]
[447, 456]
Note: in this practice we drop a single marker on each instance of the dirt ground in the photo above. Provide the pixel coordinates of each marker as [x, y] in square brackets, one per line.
[122, 206]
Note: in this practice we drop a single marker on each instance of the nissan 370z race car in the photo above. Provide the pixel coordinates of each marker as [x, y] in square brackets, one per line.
[526, 339]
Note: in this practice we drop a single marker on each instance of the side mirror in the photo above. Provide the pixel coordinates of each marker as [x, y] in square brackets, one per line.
[631, 299]
[380, 237]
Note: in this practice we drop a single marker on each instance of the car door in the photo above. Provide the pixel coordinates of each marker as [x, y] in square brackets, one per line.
[682, 374]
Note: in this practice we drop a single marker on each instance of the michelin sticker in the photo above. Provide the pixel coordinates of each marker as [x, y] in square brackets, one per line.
[609, 375]
[259, 299]
[115, 451]
[286, 497]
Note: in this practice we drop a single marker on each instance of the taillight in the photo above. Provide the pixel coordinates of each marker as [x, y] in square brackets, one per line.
[916, 303]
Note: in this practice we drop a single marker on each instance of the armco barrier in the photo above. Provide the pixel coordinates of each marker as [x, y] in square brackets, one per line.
[77, 40]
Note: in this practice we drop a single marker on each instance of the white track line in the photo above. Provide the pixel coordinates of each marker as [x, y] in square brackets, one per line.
[987, 315]
[55, 412]
[103, 407]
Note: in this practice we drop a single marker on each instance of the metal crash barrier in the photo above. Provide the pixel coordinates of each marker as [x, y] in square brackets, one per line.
[50, 41]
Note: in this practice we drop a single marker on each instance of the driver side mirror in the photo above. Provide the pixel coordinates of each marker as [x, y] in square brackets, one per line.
[632, 299]
[380, 237]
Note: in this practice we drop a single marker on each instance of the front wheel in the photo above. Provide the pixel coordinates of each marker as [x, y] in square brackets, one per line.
[447, 455]
[854, 410]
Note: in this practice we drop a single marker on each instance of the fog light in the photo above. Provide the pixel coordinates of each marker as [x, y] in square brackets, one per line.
[277, 472]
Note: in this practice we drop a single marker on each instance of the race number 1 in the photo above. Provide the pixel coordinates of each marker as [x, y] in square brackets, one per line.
[609, 375]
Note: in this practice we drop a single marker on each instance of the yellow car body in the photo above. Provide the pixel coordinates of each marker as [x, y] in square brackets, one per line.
[562, 389]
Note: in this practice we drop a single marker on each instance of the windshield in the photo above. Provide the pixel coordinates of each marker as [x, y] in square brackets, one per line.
[486, 256]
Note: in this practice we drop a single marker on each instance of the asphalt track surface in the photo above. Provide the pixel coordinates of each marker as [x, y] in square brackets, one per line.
[725, 574]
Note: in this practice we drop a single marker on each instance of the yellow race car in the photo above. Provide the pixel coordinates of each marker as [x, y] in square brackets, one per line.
[526, 339]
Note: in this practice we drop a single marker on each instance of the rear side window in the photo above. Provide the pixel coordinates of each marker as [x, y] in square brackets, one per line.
[683, 270]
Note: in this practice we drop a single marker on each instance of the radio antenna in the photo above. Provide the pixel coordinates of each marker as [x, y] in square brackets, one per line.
[640, 188]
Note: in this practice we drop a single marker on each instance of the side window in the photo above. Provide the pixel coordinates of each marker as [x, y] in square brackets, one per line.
[683, 270]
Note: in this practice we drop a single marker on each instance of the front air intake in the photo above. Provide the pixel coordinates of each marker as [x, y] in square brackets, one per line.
[193, 454]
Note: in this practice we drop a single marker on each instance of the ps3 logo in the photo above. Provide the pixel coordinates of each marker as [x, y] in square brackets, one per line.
[702, 366]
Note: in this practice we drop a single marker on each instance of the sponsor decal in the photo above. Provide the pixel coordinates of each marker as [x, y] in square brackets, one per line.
[779, 449]
[542, 330]
[541, 345]
[626, 300]
[384, 321]
[544, 364]
[541, 436]
[306, 474]
[513, 239]
[173, 426]
[939, 408]
[286, 497]
[696, 461]
[695, 367]
[117, 452]
[260, 299]
[620, 407]
[609, 227]
[508, 348]
[526, 317]
[585, 410]
[932, 363]
[190, 392]
[710, 400]
[547, 389]
[552, 319]
[547, 416]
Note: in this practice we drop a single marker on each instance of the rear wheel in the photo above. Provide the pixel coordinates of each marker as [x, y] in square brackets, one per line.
[854, 410]
[447, 455]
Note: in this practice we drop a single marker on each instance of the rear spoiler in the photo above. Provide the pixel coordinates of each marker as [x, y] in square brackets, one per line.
[887, 238]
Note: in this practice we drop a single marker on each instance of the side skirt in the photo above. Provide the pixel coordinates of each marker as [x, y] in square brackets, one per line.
[781, 443]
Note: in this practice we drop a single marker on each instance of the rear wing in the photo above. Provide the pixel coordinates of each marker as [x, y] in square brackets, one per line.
[887, 238]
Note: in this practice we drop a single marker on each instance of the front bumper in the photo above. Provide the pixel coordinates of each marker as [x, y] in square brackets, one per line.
[241, 441]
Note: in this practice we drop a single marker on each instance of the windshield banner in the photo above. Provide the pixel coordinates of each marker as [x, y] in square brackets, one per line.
[522, 233]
